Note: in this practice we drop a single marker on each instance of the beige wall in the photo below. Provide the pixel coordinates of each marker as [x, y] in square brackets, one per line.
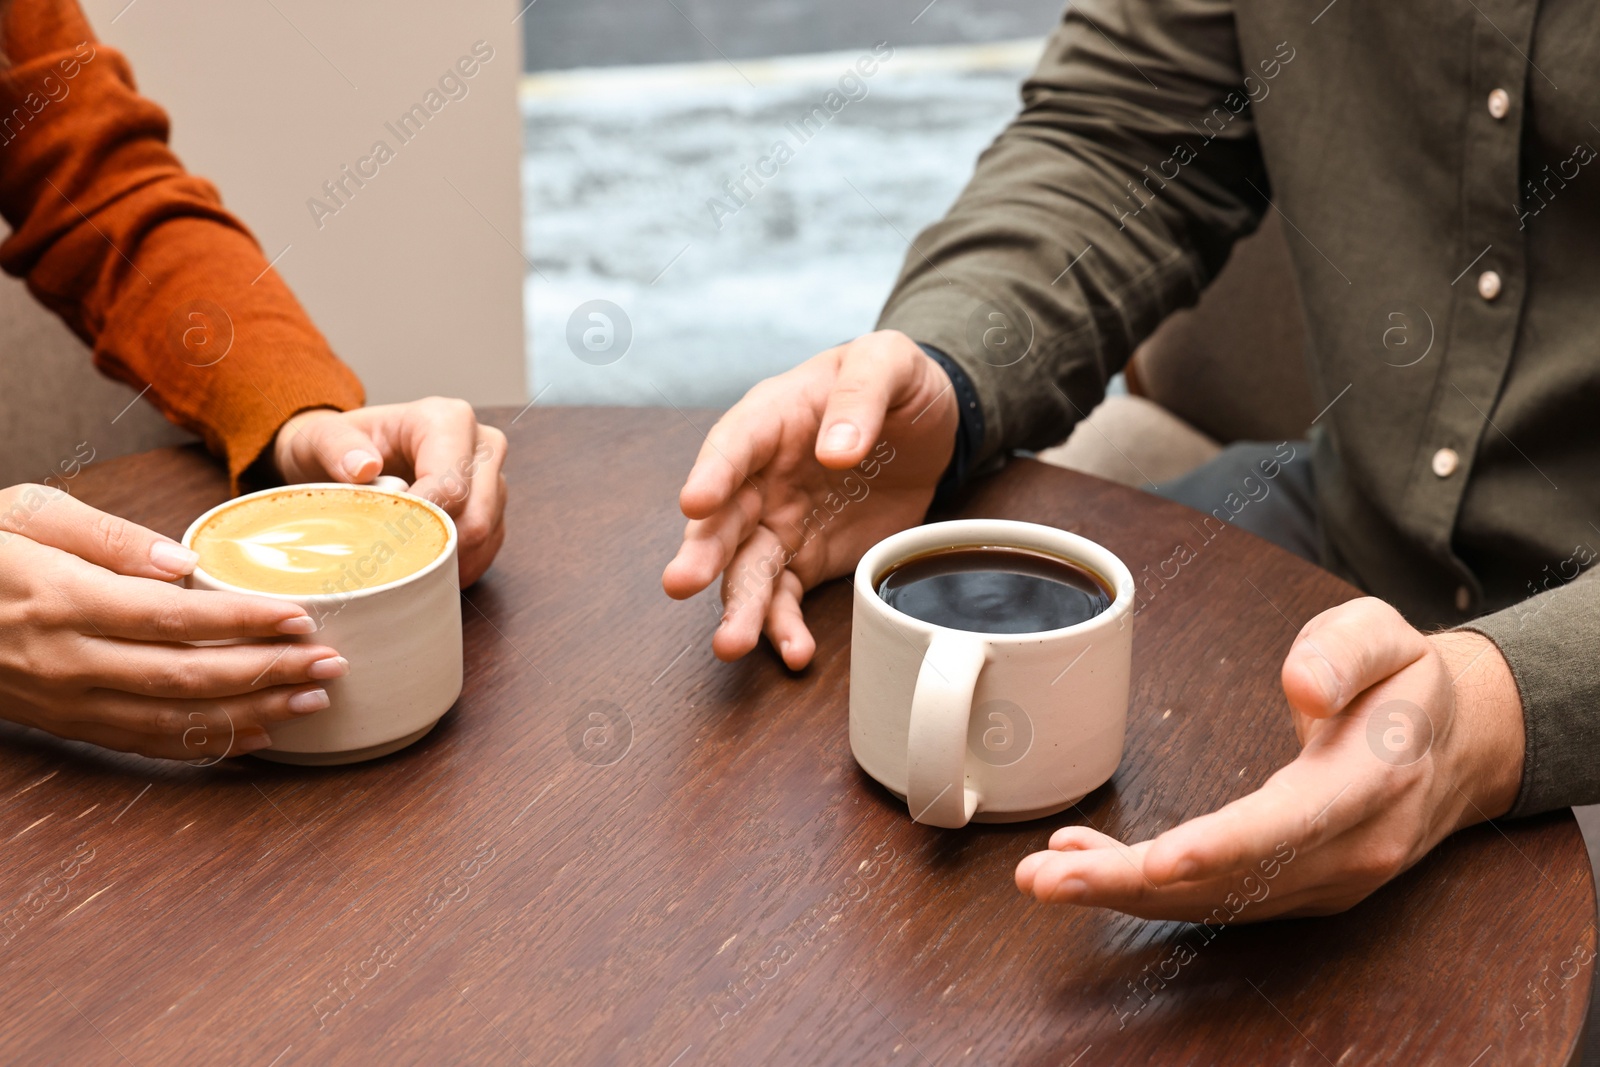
[417, 280]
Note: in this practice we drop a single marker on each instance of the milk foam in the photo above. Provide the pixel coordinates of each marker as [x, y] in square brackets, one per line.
[319, 541]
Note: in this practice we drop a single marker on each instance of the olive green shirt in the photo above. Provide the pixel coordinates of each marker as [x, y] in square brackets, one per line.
[1432, 162]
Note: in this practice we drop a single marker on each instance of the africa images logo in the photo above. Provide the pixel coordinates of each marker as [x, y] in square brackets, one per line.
[999, 733]
[1399, 732]
[599, 332]
[600, 733]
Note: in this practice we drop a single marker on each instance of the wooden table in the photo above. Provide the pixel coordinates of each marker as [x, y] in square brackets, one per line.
[717, 883]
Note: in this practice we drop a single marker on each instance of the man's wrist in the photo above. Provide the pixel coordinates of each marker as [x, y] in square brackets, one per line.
[969, 430]
[1488, 717]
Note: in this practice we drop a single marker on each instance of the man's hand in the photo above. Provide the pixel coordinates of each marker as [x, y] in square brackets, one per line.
[92, 639]
[1406, 739]
[436, 444]
[773, 504]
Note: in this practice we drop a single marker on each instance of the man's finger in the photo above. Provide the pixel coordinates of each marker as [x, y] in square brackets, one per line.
[786, 626]
[1111, 871]
[1302, 884]
[1066, 839]
[54, 518]
[1302, 805]
[1077, 838]
[747, 589]
[709, 544]
[872, 370]
[741, 443]
[1346, 650]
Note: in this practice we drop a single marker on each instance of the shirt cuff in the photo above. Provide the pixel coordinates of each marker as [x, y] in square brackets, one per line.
[969, 432]
[1547, 640]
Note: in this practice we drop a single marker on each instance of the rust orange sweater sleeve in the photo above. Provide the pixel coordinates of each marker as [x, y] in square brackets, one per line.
[138, 256]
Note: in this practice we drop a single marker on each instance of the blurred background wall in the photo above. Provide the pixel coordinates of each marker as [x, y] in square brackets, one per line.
[640, 114]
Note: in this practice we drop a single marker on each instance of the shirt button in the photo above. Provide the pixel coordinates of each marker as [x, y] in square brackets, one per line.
[1488, 285]
[1445, 462]
[1499, 103]
[1463, 598]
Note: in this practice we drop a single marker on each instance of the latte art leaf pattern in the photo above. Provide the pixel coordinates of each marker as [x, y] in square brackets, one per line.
[262, 548]
[319, 541]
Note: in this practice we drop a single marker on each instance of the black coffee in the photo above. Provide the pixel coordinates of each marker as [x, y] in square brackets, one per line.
[993, 590]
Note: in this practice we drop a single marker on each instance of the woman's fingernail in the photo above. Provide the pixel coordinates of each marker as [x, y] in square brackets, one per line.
[307, 702]
[358, 459]
[332, 667]
[245, 745]
[300, 624]
[841, 437]
[172, 557]
[1185, 871]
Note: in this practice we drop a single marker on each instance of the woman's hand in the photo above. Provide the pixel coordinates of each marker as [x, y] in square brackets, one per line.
[774, 506]
[1407, 738]
[91, 639]
[436, 444]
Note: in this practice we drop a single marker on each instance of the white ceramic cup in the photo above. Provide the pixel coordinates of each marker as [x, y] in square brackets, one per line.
[988, 727]
[403, 641]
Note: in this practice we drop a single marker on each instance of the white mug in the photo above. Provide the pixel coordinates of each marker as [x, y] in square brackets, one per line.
[403, 642]
[985, 727]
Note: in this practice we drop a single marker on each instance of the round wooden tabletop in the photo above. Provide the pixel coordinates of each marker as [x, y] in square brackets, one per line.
[718, 883]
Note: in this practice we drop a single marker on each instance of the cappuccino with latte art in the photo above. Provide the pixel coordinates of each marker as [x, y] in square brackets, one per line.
[319, 541]
[376, 570]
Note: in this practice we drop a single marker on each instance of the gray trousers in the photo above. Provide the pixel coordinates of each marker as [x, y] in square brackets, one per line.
[1264, 487]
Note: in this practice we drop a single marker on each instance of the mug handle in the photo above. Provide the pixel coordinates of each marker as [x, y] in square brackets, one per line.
[936, 749]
